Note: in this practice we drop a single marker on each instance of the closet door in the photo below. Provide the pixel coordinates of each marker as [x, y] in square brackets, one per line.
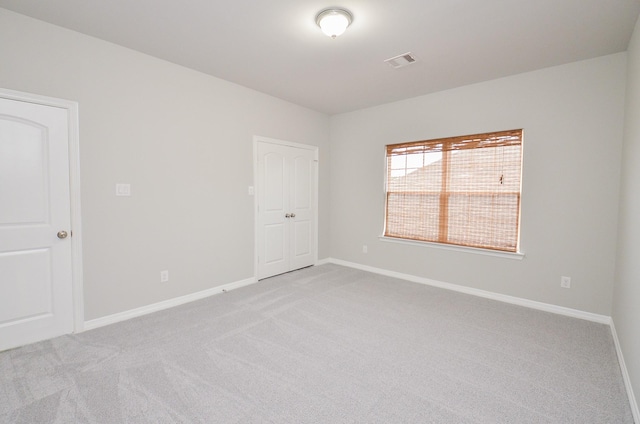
[286, 189]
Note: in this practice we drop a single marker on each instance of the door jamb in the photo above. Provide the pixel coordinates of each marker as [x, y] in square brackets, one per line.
[259, 139]
[74, 193]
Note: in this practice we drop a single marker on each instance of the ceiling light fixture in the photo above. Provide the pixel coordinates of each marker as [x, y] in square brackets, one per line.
[334, 22]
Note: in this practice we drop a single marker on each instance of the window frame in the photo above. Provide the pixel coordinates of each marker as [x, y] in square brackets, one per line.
[448, 145]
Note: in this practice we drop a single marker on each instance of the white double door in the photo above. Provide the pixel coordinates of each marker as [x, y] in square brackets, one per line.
[35, 251]
[287, 207]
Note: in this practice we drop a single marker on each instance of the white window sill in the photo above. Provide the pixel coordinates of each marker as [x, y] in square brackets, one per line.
[474, 250]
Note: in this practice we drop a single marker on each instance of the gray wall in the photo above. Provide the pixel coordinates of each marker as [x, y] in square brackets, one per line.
[182, 139]
[572, 117]
[626, 295]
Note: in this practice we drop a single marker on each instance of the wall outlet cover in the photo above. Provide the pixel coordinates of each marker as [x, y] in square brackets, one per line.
[164, 276]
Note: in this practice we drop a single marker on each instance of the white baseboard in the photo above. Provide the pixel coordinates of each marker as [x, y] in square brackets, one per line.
[625, 376]
[575, 313]
[170, 303]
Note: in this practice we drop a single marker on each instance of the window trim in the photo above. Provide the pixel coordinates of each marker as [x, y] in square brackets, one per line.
[448, 144]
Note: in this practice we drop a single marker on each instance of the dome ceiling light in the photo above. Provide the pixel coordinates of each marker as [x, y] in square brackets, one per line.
[334, 22]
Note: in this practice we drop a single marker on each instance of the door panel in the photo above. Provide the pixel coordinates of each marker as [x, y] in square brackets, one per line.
[286, 183]
[35, 265]
[302, 182]
[23, 158]
[274, 244]
[302, 245]
[274, 182]
[30, 292]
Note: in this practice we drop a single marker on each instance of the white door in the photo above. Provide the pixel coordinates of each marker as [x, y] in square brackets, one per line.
[286, 188]
[35, 251]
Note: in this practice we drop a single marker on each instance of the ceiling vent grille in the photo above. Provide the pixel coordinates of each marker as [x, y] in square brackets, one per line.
[401, 60]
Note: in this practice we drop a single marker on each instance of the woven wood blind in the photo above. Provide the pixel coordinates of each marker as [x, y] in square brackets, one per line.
[460, 190]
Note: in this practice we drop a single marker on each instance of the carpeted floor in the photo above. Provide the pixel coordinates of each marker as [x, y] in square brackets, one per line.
[325, 344]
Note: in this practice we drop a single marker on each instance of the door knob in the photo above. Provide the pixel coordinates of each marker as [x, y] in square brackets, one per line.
[287, 215]
[62, 234]
[293, 215]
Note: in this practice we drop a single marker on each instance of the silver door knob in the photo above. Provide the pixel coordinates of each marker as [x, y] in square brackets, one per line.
[293, 215]
[287, 215]
[62, 234]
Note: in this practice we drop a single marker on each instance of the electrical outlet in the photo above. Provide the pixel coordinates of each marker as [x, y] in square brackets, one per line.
[365, 249]
[565, 282]
[164, 276]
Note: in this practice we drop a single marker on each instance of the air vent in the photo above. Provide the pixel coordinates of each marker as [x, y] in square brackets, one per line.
[401, 60]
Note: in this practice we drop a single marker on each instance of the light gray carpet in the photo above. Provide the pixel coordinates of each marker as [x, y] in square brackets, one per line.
[326, 344]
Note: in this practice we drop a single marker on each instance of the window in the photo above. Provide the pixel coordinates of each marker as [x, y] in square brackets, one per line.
[462, 190]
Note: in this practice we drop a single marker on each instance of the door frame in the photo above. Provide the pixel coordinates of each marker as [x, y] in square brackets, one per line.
[74, 192]
[259, 139]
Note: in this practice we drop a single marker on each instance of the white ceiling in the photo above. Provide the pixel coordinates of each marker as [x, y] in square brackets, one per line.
[275, 46]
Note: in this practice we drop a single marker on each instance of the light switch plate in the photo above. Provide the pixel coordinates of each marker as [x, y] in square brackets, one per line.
[123, 189]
